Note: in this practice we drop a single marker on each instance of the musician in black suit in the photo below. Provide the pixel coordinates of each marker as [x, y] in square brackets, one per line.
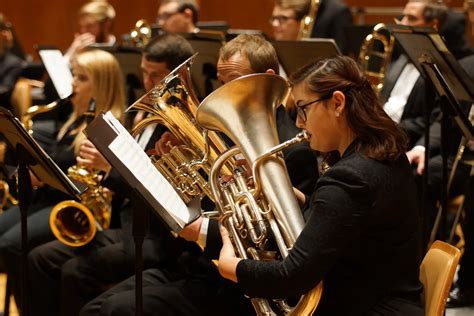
[332, 20]
[362, 232]
[209, 294]
[462, 182]
[67, 277]
[404, 89]
[332, 17]
[10, 65]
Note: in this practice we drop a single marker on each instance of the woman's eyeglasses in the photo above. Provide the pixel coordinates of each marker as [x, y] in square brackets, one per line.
[301, 109]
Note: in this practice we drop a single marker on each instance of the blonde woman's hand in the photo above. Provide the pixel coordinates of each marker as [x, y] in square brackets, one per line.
[89, 156]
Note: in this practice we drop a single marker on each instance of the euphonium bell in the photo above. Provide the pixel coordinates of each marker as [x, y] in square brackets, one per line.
[173, 104]
[245, 111]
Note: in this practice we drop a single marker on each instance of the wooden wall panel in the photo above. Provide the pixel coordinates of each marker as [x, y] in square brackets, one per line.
[54, 21]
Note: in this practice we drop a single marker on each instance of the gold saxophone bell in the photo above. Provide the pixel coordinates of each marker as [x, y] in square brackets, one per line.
[307, 22]
[374, 60]
[75, 224]
[247, 115]
[173, 104]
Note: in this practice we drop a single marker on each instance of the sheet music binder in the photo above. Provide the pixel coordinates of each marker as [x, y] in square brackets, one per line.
[132, 163]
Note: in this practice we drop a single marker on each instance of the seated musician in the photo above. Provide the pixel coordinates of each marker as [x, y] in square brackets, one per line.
[95, 22]
[198, 293]
[10, 65]
[73, 276]
[332, 17]
[362, 232]
[462, 181]
[96, 74]
[178, 16]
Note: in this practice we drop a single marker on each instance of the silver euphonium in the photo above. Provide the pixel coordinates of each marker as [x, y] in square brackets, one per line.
[173, 104]
[245, 111]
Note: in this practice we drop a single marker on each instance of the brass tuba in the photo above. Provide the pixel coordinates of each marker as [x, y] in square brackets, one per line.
[307, 22]
[246, 115]
[173, 104]
[75, 224]
[374, 60]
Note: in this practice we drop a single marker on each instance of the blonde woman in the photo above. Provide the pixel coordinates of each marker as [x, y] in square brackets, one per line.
[97, 75]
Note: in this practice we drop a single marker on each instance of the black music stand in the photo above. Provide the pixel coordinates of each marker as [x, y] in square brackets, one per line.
[295, 54]
[129, 59]
[204, 70]
[429, 54]
[31, 157]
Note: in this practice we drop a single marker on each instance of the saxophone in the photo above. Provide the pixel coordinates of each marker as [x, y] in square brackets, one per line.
[75, 224]
[252, 213]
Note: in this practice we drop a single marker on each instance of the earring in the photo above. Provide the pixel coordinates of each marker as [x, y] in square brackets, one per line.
[337, 114]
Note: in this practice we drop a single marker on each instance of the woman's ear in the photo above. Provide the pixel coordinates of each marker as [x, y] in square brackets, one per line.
[339, 102]
[270, 71]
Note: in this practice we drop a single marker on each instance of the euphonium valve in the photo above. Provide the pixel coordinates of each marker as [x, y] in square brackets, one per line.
[247, 115]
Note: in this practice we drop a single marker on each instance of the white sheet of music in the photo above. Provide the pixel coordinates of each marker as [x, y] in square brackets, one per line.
[129, 152]
[58, 70]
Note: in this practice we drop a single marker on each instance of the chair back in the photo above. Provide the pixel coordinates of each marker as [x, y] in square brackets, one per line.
[436, 273]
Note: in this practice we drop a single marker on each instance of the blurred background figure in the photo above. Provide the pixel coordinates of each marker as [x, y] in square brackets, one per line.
[331, 19]
[10, 65]
[178, 16]
[95, 24]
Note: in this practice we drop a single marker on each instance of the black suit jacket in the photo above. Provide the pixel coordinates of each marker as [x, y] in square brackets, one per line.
[361, 238]
[10, 69]
[332, 19]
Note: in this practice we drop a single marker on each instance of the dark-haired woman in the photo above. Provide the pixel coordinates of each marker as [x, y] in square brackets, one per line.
[362, 232]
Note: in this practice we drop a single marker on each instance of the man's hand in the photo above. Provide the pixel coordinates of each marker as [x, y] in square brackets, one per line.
[80, 42]
[89, 156]
[417, 157]
[191, 231]
[166, 142]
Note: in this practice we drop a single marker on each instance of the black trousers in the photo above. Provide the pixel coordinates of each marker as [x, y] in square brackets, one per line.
[168, 294]
[63, 278]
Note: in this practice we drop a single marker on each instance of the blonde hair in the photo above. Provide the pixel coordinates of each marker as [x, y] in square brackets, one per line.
[108, 87]
[100, 10]
[260, 53]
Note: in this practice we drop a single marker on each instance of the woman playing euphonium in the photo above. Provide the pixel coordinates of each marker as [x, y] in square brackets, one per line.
[362, 230]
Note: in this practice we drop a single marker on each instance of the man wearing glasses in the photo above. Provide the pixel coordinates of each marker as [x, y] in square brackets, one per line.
[178, 16]
[332, 18]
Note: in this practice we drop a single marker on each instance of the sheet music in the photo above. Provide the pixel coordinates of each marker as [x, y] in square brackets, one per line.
[129, 152]
[58, 70]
